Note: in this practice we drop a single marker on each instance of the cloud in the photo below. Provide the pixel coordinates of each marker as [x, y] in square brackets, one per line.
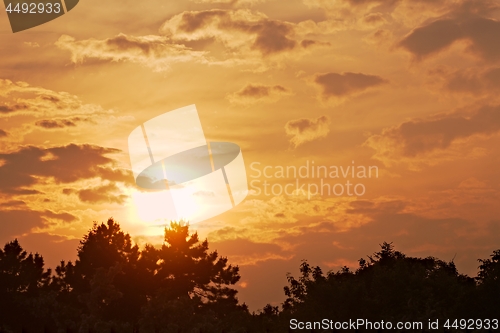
[253, 93]
[26, 167]
[417, 138]
[20, 98]
[156, 52]
[347, 13]
[471, 81]
[16, 222]
[3, 133]
[60, 123]
[233, 28]
[8, 108]
[437, 36]
[66, 217]
[24, 97]
[50, 124]
[102, 194]
[241, 36]
[337, 87]
[373, 20]
[305, 130]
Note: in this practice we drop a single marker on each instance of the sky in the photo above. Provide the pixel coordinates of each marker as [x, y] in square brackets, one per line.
[408, 89]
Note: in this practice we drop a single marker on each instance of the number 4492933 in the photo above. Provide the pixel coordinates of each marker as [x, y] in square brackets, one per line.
[472, 324]
[34, 8]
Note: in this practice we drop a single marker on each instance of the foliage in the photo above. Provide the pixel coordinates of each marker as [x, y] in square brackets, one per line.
[389, 285]
[113, 286]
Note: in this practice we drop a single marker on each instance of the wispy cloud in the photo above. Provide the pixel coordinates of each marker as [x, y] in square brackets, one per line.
[305, 130]
[253, 93]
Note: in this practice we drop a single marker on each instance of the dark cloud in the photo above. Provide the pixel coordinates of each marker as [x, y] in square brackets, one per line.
[272, 38]
[235, 27]
[51, 124]
[421, 136]
[6, 108]
[252, 93]
[307, 42]
[3, 133]
[334, 85]
[115, 175]
[102, 194]
[64, 164]
[16, 222]
[62, 123]
[482, 33]
[66, 217]
[258, 91]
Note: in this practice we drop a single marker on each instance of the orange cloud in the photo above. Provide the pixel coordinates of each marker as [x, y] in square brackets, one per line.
[337, 87]
[102, 194]
[234, 28]
[60, 123]
[26, 167]
[472, 81]
[156, 52]
[21, 98]
[437, 36]
[16, 222]
[304, 130]
[253, 93]
[245, 36]
[420, 137]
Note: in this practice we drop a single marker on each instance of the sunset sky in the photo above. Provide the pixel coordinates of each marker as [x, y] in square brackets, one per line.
[411, 87]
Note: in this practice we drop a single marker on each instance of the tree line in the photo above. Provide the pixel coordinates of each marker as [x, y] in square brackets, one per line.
[113, 286]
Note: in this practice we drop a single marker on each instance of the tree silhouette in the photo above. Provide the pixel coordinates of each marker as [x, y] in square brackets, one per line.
[189, 281]
[181, 286]
[389, 286]
[22, 279]
[488, 302]
[114, 285]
